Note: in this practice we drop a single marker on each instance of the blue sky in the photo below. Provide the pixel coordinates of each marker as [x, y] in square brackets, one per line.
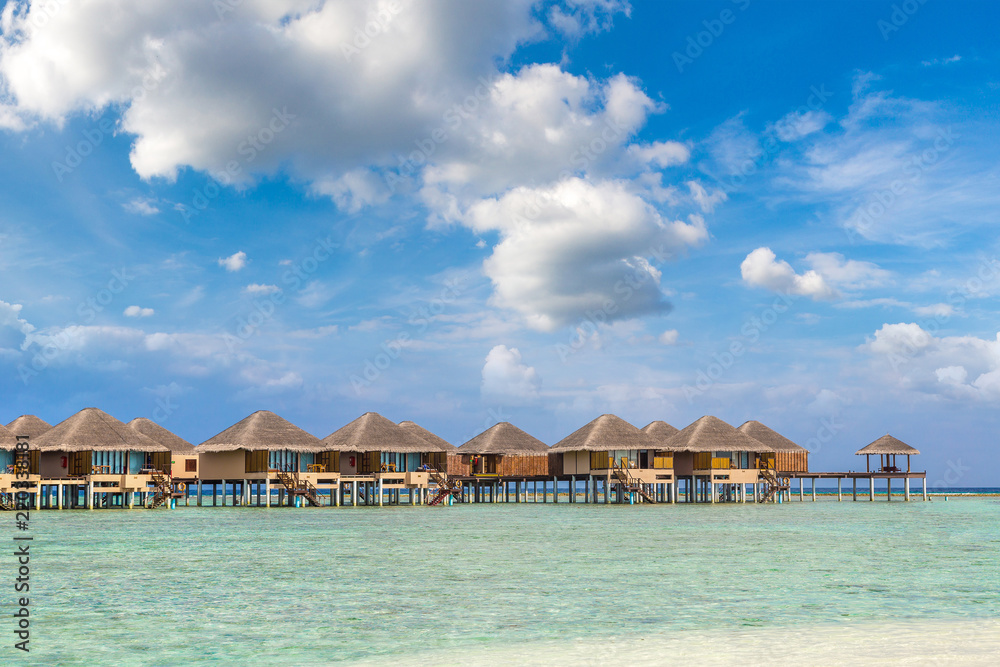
[538, 212]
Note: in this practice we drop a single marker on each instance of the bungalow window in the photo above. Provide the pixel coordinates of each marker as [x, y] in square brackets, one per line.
[191, 465]
[282, 459]
[108, 463]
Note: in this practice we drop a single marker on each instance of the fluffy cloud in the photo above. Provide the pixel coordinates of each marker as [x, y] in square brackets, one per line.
[136, 311]
[577, 247]
[669, 337]
[234, 262]
[958, 366]
[847, 273]
[506, 378]
[762, 269]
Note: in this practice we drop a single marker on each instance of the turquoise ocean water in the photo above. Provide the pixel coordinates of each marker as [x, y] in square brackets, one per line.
[516, 584]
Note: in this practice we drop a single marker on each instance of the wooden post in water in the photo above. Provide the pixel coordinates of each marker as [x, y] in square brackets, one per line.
[813, 487]
[839, 490]
[871, 489]
[925, 487]
[906, 488]
[854, 491]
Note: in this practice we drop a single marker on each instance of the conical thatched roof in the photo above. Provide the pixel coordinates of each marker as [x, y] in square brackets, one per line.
[263, 430]
[659, 432]
[7, 438]
[888, 445]
[170, 440]
[605, 433]
[29, 425]
[93, 429]
[424, 434]
[504, 438]
[769, 437]
[711, 434]
[371, 432]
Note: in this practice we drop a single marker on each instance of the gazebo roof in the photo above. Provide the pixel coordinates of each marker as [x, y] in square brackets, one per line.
[371, 432]
[887, 445]
[711, 434]
[96, 430]
[606, 433]
[263, 430]
[504, 438]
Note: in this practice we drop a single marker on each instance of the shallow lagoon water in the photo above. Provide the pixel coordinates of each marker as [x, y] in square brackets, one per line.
[517, 583]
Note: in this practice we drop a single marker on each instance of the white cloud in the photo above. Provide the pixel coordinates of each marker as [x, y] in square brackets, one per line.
[318, 332]
[798, 124]
[578, 246]
[847, 274]
[661, 153]
[669, 337]
[256, 289]
[580, 17]
[705, 199]
[935, 310]
[136, 311]
[506, 378]
[10, 316]
[234, 262]
[761, 269]
[957, 366]
[141, 206]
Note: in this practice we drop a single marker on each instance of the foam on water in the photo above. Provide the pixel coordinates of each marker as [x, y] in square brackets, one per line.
[516, 584]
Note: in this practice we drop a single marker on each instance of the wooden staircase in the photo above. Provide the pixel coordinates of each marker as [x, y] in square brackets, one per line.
[7, 502]
[629, 484]
[297, 487]
[164, 489]
[772, 483]
[446, 487]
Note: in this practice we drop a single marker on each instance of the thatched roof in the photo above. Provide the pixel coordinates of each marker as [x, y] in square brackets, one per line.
[29, 425]
[170, 440]
[263, 430]
[504, 438]
[769, 437]
[432, 438]
[605, 433]
[711, 434]
[7, 438]
[888, 445]
[371, 432]
[93, 429]
[660, 432]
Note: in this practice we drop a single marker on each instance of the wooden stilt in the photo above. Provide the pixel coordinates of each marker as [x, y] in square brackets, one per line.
[871, 489]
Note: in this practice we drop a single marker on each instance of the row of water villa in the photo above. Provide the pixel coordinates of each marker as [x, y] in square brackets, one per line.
[92, 460]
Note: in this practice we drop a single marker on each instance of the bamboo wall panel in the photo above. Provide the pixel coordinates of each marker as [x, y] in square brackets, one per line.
[793, 461]
[456, 466]
[523, 466]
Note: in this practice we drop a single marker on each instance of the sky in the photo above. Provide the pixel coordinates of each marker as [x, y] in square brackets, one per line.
[460, 213]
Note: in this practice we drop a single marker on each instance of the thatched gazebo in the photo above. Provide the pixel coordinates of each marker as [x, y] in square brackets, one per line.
[789, 457]
[887, 448]
[504, 450]
[603, 443]
[380, 445]
[92, 442]
[257, 444]
[29, 425]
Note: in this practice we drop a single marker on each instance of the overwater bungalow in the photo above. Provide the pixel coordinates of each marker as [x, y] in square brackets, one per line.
[623, 456]
[96, 453]
[454, 458]
[260, 450]
[718, 461]
[788, 457]
[28, 426]
[504, 450]
[184, 458]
